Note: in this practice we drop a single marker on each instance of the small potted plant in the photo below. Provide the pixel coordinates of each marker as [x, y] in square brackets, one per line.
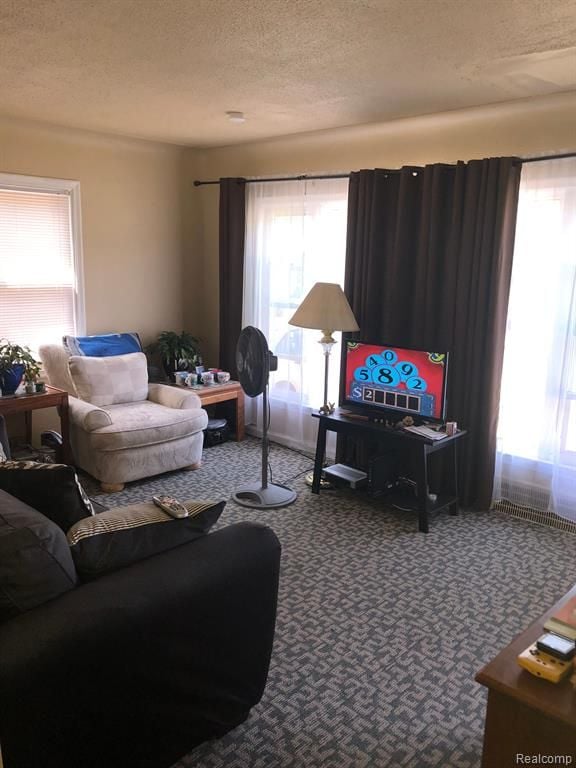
[14, 360]
[178, 351]
[31, 374]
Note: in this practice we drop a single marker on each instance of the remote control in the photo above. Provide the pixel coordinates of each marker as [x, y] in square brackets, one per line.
[171, 506]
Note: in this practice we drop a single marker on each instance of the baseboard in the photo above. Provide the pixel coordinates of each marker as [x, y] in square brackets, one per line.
[550, 519]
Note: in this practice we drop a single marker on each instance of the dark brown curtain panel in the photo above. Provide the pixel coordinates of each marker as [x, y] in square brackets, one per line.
[428, 264]
[232, 223]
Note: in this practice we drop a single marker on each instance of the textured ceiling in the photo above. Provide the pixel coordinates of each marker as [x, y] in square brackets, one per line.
[170, 69]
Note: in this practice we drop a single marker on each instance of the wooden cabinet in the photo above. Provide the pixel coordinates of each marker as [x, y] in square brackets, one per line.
[526, 715]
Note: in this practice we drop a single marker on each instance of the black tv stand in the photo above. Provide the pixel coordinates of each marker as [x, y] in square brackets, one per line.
[417, 446]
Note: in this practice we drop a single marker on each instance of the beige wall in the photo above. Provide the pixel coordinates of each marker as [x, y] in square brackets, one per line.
[195, 296]
[132, 220]
[524, 128]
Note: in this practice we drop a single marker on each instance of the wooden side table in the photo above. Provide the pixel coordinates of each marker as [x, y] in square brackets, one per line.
[526, 715]
[52, 398]
[220, 393]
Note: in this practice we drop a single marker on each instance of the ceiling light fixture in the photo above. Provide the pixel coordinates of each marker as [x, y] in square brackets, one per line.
[236, 117]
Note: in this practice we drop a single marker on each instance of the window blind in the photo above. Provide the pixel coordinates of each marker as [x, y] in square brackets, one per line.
[37, 276]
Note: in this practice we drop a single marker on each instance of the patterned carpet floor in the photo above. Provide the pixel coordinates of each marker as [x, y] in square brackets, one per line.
[380, 629]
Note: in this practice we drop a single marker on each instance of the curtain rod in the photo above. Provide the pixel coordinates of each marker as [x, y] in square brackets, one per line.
[302, 177]
[305, 177]
[547, 157]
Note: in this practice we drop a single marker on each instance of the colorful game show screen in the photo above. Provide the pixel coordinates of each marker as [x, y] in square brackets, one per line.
[394, 378]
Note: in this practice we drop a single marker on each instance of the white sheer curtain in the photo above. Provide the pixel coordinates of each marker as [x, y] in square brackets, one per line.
[536, 456]
[295, 237]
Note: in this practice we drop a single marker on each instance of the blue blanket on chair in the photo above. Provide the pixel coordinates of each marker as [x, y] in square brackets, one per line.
[103, 345]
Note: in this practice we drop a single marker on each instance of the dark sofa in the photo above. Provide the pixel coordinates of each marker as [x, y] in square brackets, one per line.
[136, 668]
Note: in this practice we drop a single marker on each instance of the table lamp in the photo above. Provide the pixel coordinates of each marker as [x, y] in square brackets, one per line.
[326, 309]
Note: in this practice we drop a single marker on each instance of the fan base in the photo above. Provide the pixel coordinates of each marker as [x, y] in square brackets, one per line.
[257, 497]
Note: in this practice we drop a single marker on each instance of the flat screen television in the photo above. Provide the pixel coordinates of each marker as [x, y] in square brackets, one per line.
[387, 382]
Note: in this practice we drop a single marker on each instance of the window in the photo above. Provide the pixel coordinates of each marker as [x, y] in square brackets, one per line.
[295, 237]
[536, 461]
[41, 296]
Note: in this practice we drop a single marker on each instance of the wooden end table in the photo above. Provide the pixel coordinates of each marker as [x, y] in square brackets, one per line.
[526, 715]
[51, 398]
[220, 393]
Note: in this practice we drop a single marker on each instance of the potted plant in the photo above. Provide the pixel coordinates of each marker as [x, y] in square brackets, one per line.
[179, 351]
[31, 374]
[14, 360]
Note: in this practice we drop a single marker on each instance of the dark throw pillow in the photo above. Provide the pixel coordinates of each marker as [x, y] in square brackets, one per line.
[125, 535]
[35, 560]
[52, 489]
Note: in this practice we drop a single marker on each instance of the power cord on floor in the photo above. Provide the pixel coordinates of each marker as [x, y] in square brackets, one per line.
[293, 450]
[307, 455]
[298, 474]
[403, 509]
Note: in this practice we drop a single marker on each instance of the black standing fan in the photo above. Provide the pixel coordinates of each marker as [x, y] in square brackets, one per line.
[254, 362]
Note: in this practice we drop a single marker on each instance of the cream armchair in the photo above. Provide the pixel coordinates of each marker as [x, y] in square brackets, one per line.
[123, 428]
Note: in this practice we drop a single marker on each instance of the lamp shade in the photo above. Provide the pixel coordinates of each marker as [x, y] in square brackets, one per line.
[325, 308]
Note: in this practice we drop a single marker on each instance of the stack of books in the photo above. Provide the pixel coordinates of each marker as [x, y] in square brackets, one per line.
[563, 622]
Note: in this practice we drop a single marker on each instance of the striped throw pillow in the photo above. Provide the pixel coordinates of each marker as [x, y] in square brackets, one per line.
[125, 535]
